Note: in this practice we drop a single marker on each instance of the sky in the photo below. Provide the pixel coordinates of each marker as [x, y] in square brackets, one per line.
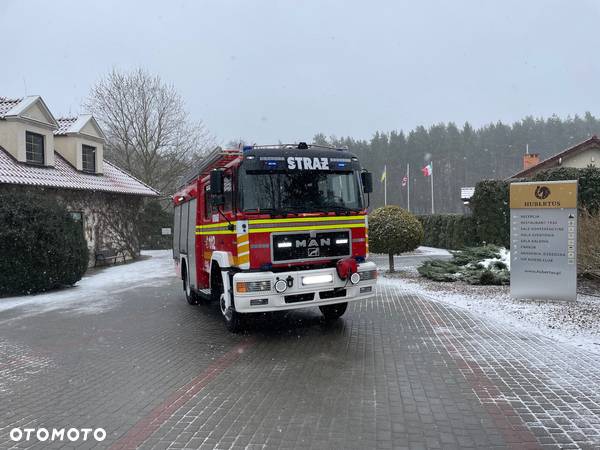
[267, 71]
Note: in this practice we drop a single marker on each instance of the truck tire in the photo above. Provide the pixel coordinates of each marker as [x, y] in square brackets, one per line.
[233, 319]
[333, 312]
[191, 297]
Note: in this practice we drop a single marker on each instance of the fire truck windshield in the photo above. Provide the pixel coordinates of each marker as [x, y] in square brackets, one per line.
[302, 191]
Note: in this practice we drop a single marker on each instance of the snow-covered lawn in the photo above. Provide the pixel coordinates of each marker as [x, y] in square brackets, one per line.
[574, 322]
[91, 293]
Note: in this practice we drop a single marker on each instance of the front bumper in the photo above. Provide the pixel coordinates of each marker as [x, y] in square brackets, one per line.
[300, 295]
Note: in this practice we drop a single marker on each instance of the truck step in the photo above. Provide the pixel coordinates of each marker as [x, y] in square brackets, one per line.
[205, 292]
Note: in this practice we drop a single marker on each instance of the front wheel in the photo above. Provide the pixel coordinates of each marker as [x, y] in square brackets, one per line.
[233, 319]
[333, 312]
[191, 297]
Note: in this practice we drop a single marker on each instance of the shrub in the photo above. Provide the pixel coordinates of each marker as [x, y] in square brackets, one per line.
[589, 244]
[491, 212]
[153, 218]
[438, 270]
[589, 184]
[41, 246]
[394, 230]
[451, 231]
[467, 265]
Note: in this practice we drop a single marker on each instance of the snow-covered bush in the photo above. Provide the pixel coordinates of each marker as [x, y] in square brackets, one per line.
[487, 265]
[393, 230]
[41, 246]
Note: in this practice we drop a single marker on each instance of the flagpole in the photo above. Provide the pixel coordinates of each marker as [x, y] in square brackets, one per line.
[432, 206]
[385, 186]
[408, 185]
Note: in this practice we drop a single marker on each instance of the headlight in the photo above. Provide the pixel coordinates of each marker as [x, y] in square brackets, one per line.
[281, 286]
[354, 278]
[368, 275]
[244, 287]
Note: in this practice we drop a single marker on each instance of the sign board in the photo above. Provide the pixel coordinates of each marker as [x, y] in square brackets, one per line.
[165, 231]
[466, 193]
[543, 236]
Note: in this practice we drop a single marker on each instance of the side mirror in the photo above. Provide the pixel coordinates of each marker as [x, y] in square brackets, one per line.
[367, 182]
[216, 182]
[216, 188]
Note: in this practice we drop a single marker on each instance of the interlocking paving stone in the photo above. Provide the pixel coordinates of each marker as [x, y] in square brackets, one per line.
[398, 371]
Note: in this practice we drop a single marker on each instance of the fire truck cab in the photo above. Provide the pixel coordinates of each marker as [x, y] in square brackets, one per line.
[273, 228]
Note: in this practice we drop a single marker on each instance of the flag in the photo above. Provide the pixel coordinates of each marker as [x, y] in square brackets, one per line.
[427, 170]
[384, 174]
[404, 181]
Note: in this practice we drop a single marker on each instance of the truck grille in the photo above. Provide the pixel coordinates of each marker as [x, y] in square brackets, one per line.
[302, 246]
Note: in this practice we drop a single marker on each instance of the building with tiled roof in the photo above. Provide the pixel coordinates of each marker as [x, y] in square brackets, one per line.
[65, 158]
[579, 156]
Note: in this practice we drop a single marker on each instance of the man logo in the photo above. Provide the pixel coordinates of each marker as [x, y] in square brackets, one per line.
[542, 192]
[313, 251]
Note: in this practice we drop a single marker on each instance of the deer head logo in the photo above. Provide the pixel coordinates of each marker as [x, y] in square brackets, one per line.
[542, 192]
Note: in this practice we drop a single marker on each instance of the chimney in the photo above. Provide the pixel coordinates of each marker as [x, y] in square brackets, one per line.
[530, 160]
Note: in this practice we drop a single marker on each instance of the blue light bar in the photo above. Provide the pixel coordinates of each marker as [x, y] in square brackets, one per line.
[246, 148]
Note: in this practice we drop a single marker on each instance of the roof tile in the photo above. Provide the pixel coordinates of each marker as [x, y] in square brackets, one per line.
[65, 176]
[64, 123]
[6, 104]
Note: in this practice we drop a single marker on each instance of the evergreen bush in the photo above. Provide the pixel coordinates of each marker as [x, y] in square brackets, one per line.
[450, 231]
[394, 230]
[467, 265]
[491, 212]
[41, 246]
[153, 218]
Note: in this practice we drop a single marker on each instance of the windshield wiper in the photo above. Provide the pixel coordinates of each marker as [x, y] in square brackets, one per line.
[271, 211]
[343, 208]
[311, 209]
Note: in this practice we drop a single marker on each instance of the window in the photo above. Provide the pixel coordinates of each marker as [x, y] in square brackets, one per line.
[34, 148]
[209, 209]
[77, 216]
[88, 158]
[300, 191]
[228, 192]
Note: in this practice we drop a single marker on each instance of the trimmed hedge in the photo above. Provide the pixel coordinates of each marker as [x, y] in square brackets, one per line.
[589, 184]
[491, 212]
[490, 220]
[490, 203]
[41, 246]
[451, 231]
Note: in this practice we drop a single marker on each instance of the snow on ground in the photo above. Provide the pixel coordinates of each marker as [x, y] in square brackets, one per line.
[90, 294]
[425, 251]
[575, 322]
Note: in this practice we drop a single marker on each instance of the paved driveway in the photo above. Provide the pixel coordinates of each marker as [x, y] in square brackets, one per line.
[397, 371]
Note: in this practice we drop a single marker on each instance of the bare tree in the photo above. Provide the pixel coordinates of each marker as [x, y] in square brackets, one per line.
[148, 129]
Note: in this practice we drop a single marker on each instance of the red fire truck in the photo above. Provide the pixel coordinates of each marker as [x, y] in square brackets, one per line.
[274, 227]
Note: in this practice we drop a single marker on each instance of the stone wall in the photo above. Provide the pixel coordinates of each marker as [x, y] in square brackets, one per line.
[110, 221]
